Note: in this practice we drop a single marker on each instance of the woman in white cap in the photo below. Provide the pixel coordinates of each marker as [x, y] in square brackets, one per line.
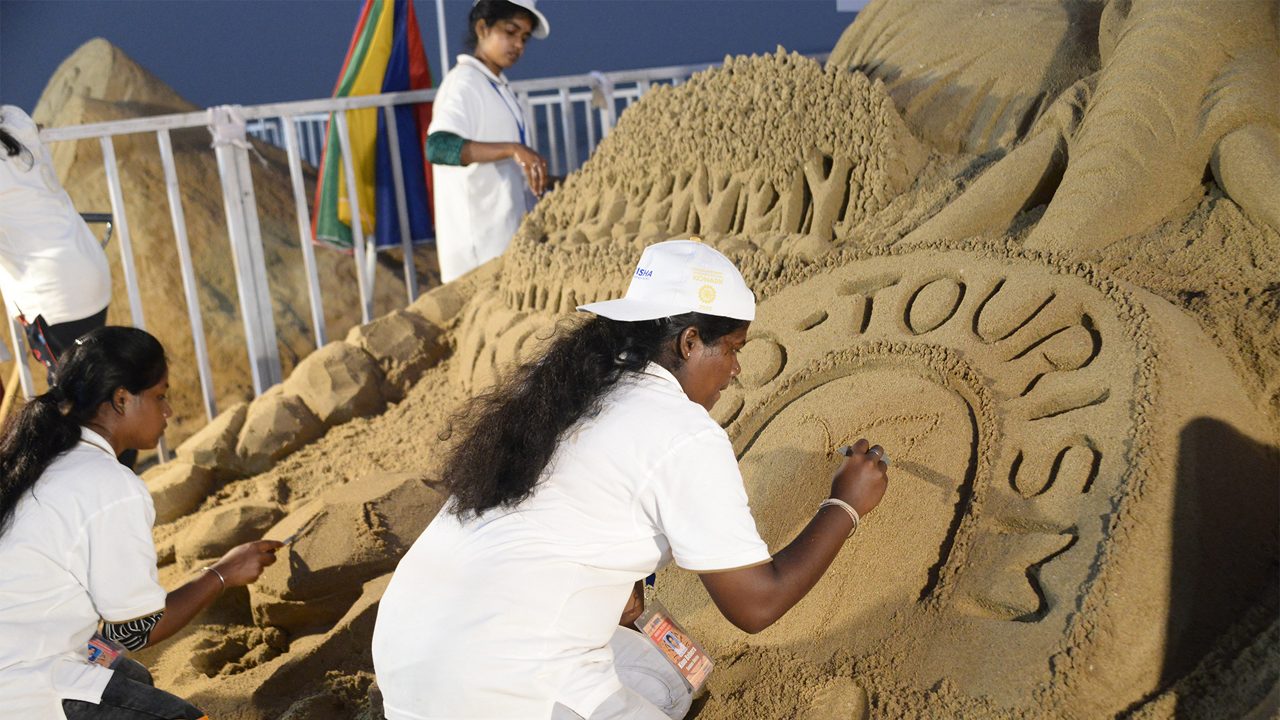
[477, 141]
[583, 473]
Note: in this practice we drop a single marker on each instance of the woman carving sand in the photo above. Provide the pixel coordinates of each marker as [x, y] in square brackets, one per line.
[592, 468]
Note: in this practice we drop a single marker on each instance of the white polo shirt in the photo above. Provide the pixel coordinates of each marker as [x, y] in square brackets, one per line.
[504, 616]
[478, 206]
[50, 262]
[79, 549]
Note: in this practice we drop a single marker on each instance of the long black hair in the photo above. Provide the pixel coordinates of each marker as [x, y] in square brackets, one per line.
[492, 12]
[509, 434]
[88, 374]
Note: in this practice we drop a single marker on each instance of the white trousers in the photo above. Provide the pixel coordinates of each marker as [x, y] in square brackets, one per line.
[652, 689]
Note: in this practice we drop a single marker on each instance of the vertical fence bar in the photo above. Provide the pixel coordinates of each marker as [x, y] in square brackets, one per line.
[554, 137]
[305, 241]
[122, 229]
[258, 263]
[126, 249]
[570, 132]
[402, 206]
[591, 129]
[363, 281]
[444, 41]
[312, 145]
[255, 302]
[319, 132]
[609, 113]
[188, 272]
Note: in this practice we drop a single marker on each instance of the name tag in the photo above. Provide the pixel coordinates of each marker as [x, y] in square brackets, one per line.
[675, 643]
[104, 651]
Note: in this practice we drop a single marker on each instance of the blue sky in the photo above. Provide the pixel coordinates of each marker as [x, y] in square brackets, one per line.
[258, 51]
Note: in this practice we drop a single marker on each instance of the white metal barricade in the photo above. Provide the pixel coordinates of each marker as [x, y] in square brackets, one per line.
[567, 117]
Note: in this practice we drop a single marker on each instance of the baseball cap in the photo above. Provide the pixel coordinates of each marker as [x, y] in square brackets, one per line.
[679, 276]
[544, 27]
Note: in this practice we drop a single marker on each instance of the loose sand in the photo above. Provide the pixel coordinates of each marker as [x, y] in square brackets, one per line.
[1085, 499]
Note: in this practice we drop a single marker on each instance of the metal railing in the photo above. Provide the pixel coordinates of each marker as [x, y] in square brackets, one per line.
[584, 99]
[568, 116]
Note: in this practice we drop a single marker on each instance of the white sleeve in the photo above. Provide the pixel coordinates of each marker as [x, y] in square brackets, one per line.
[122, 577]
[457, 107]
[696, 499]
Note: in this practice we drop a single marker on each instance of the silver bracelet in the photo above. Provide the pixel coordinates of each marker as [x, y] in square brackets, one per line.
[853, 514]
[224, 580]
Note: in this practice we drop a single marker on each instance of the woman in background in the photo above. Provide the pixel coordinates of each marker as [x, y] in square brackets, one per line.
[76, 550]
[477, 143]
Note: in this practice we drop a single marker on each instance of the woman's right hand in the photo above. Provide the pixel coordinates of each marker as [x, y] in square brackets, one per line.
[243, 564]
[862, 479]
[533, 165]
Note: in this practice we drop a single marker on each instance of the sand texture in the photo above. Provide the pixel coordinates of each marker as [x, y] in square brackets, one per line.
[1031, 250]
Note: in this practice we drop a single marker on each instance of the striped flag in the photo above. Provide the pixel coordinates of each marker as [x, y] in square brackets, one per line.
[386, 55]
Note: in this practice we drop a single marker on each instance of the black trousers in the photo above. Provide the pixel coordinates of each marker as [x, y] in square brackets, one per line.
[130, 695]
[63, 335]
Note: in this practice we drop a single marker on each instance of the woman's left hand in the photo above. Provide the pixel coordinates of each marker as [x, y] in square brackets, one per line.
[635, 606]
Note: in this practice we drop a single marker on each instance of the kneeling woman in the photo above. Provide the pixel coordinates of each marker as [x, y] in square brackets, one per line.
[75, 539]
[590, 469]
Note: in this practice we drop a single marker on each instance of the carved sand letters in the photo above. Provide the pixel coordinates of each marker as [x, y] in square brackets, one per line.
[992, 384]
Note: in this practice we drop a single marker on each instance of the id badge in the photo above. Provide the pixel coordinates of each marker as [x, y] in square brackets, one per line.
[104, 651]
[674, 642]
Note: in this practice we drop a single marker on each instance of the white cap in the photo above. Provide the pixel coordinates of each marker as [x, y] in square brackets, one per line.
[680, 276]
[544, 27]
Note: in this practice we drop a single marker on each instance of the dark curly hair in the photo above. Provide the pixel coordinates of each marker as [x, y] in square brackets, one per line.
[88, 374]
[509, 434]
[492, 12]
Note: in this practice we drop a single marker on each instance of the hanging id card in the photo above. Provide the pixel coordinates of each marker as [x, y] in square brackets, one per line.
[104, 651]
[674, 642]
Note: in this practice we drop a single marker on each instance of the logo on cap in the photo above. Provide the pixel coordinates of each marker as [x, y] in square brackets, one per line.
[642, 273]
[706, 294]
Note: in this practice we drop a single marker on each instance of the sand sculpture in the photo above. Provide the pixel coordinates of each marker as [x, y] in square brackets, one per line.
[1161, 91]
[1083, 512]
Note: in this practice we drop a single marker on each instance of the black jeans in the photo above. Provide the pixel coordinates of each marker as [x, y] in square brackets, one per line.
[131, 695]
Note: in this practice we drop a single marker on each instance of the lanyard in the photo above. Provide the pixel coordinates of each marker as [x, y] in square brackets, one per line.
[514, 112]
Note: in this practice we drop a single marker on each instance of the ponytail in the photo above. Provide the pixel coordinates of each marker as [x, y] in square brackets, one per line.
[88, 374]
[510, 433]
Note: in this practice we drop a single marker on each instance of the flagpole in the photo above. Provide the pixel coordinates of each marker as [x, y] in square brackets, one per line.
[444, 39]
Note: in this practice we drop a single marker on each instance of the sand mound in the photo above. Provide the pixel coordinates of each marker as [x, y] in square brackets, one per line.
[767, 153]
[1083, 513]
[101, 71]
